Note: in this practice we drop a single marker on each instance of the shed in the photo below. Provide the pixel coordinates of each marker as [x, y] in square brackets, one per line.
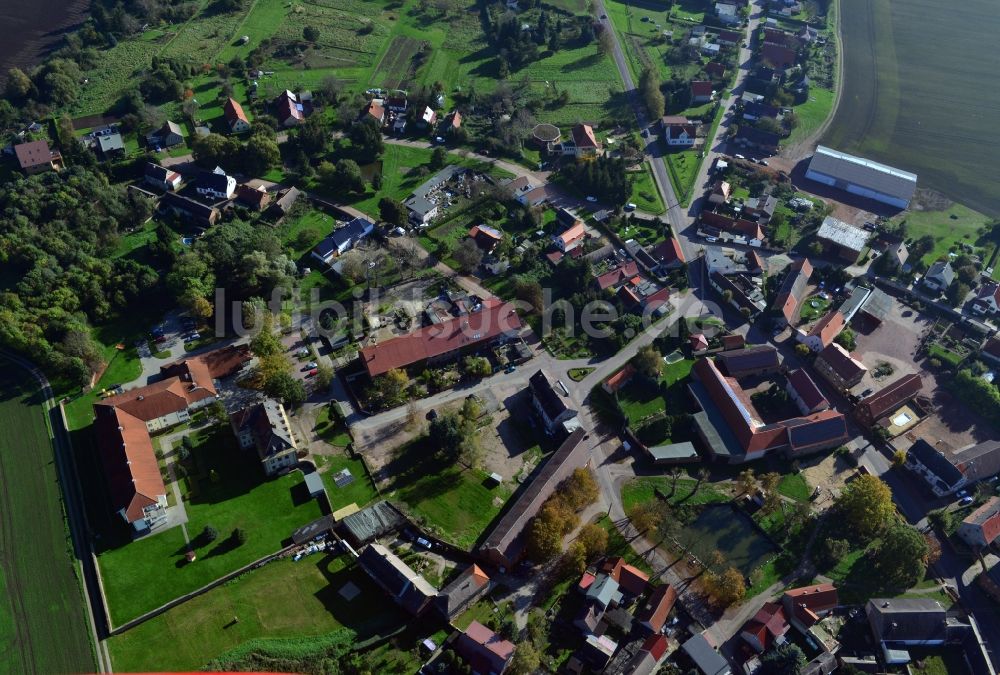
[314, 483]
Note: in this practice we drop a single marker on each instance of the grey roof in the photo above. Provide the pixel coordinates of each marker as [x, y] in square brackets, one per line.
[111, 142]
[265, 422]
[419, 201]
[373, 521]
[171, 128]
[980, 460]
[752, 358]
[674, 451]
[219, 182]
[717, 261]
[713, 427]
[934, 461]
[287, 199]
[410, 590]
[348, 235]
[851, 306]
[157, 172]
[803, 433]
[942, 270]
[551, 402]
[457, 595]
[708, 661]
[842, 234]
[864, 172]
[314, 483]
[907, 619]
[604, 590]
[878, 304]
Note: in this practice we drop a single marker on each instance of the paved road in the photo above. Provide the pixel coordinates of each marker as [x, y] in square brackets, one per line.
[75, 515]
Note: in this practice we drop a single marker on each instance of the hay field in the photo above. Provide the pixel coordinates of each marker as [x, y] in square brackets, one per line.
[920, 92]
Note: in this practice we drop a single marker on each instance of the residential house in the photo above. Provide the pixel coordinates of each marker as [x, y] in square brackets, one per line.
[215, 184]
[614, 278]
[647, 660]
[721, 193]
[504, 545]
[767, 628]
[594, 654]
[728, 13]
[123, 425]
[654, 612]
[756, 360]
[375, 521]
[715, 70]
[805, 606]
[888, 399]
[264, 426]
[343, 239]
[189, 209]
[668, 256]
[898, 623]
[754, 111]
[793, 291]
[619, 379]
[584, 144]
[464, 590]
[947, 472]
[730, 37]
[288, 110]
[168, 136]
[423, 204]
[428, 118]
[823, 332]
[744, 295]
[452, 122]
[111, 146]
[981, 528]
[397, 103]
[571, 237]
[698, 342]
[600, 595]
[550, 406]
[487, 238]
[630, 578]
[836, 365]
[897, 253]
[705, 657]
[443, 341]
[374, 110]
[407, 588]
[701, 91]
[757, 139]
[876, 306]
[282, 206]
[991, 350]
[235, 117]
[679, 131]
[987, 299]
[842, 240]
[711, 50]
[778, 56]
[36, 156]
[161, 177]
[804, 393]
[760, 209]
[485, 651]
[255, 198]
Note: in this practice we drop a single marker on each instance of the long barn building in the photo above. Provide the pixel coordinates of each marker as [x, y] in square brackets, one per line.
[862, 177]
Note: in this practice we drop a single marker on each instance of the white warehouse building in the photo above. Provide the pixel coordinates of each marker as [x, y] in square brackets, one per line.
[862, 177]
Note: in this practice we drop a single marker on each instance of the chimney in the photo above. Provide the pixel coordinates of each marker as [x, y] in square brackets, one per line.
[121, 428]
[139, 397]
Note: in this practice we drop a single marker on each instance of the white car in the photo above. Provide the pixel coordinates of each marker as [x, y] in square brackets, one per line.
[630, 207]
[739, 156]
[591, 199]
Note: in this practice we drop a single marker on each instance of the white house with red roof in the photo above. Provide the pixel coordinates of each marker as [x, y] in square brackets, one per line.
[571, 237]
[582, 143]
[235, 117]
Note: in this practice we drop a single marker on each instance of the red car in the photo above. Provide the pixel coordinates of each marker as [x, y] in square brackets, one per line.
[312, 372]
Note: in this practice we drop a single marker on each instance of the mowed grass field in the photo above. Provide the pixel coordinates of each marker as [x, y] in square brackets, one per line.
[40, 596]
[927, 110]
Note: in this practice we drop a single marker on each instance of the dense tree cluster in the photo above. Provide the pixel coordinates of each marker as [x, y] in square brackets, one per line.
[605, 178]
[58, 235]
[546, 30]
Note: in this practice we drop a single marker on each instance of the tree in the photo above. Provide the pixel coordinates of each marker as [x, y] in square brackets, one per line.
[833, 551]
[847, 339]
[324, 377]
[209, 534]
[866, 502]
[772, 498]
[525, 661]
[957, 293]
[703, 475]
[392, 212]
[477, 366]
[901, 555]
[727, 588]
[352, 266]
[786, 659]
[645, 517]
[605, 39]
[366, 139]
[802, 350]
[438, 158]
[574, 560]
[530, 291]
[265, 342]
[239, 536]
[580, 489]
[19, 85]
[287, 388]
[390, 388]
[594, 539]
[260, 154]
[746, 481]
[344, 177]
[649, 86]
[648, 361]
[468, 255]
[310, 33]
[899, 458]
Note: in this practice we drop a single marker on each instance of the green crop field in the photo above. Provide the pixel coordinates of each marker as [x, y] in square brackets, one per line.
[922, 109]
[40, 595]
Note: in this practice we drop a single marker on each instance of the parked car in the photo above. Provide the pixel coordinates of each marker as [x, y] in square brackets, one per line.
[302, 352]
[739, 156]
[630, 207]
[311, 365]
[711, 240]
[191, 337]
[159, 339]
[867, 392]
[312, 372]
[510, 369]
[432, 414]
[591, 198]
[965, 501]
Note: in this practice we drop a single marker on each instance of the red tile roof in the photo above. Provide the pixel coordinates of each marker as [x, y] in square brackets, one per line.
[493, 320]
[287, 107]
[656, 645]
[841, 362]
[890, 397]
[630, 578]
[618, 275]
[130, 466]
[667, 251]
[619, 379]
[233, 111]
[583, 136]
[657, 608]
[454, 119]
[807, 390]
[258, 199]
[572, 234]
[767, 624]
[777, 55]
[701, 88]
[829, 327]
[990, 290]
[375, 110]
[715, 69]
[33, 154]
[808, 603]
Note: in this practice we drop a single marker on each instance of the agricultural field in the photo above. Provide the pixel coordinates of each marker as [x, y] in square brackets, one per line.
[40, 594]
[896, 91]
[313, 608]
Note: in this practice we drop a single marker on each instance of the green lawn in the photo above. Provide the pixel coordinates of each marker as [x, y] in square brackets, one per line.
[955, 225]
[617, 545]
[811, 114]
[310, 220]
[40, 594]
[190, 635]
[642, 398]
[644, 192]
[267, 510]
[936, 351]
[360, 491]
[643, 489]
[683, 167]
[813, 308]
[455, 503]
[794, 486]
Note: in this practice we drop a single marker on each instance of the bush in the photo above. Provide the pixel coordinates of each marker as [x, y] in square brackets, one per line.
[209, 534]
